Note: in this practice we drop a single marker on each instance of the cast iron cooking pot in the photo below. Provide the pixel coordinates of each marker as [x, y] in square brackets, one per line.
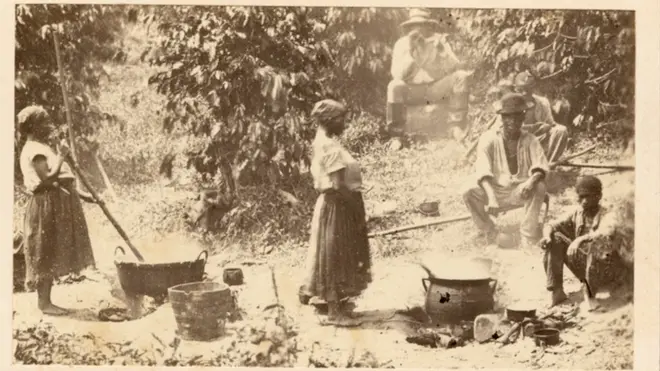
[460, 295]
[154, 279]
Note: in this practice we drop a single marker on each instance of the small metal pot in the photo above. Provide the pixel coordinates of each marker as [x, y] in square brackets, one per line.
[546, 337]
[519, 315]
[302, 297]
[232, 276]
[429, 208]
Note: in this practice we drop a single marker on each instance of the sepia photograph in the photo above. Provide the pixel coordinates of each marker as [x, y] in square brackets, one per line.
[324, 186]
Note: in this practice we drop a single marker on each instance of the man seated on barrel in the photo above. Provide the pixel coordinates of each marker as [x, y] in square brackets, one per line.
[540, 120]
[425, 70]
[562, 239]
[510, 170]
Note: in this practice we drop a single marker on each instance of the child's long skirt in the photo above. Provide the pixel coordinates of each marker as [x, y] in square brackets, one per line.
[339, 260]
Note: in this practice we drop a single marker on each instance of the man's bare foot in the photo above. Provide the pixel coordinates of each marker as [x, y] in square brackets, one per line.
[52, 310]
[591, 305]
[557, 297]
[590, 302]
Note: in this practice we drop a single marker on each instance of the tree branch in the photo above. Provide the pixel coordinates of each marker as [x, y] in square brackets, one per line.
[600, 79]
[552, 75]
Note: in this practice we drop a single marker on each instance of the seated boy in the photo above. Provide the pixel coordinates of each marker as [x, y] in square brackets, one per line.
[564, 240]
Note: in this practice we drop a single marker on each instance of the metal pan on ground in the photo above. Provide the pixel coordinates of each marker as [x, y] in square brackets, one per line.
[546, 337]
[430, 208]
[233, 276]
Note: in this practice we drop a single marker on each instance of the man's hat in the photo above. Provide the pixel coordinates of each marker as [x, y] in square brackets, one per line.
[418, 17]
[513, 103]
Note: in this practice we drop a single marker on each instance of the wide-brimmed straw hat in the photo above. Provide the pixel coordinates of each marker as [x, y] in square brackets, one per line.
[513, 103]
[418, 16]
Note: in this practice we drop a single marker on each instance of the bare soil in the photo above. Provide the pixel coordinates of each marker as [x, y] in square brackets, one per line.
[433, 171]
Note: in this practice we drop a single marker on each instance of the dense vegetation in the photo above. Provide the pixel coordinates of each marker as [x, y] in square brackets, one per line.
[242, 79]
[87, 37]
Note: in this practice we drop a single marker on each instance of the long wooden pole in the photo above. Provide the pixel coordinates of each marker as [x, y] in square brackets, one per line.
[60, 69]
[74, 161]
[565, 159]
[112, 220]
[106, 179]
[598, 166]
[435, 222]
[66, 97]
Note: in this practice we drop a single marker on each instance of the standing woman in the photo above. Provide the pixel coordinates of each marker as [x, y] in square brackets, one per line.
[339, 260]
[56, 238]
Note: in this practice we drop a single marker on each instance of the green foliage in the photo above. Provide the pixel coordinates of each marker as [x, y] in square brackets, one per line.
[587, 56]
[246, 78]
[87, 36]
[363, 133]
[243, 79]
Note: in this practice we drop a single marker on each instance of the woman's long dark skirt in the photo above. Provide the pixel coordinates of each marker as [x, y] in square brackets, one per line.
[57, 241]
[339, 259]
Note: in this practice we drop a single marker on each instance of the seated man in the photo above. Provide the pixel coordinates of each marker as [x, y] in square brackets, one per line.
[540, 121]
[425, 70]
[510, 170]
[562, 241]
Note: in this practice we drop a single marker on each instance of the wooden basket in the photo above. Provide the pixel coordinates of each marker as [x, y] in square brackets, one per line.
[201, 309]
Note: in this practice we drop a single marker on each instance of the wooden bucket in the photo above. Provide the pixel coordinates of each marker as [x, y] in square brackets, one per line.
[201, 309]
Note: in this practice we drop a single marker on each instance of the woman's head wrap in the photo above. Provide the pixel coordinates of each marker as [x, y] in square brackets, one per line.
[29, 117]
[328, 110]
[589, 185]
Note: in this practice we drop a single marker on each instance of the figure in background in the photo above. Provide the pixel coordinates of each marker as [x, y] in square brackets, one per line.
[497, 92]
[562, 108]
[57, 241]
[339, 260]
[565, 238]
[510, 170]
[425, 70]
[540, 120]
[504, 87]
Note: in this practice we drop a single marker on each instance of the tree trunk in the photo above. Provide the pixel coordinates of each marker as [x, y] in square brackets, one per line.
[228, 175]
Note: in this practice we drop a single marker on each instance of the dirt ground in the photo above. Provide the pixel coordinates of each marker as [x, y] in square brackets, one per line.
[602, 340]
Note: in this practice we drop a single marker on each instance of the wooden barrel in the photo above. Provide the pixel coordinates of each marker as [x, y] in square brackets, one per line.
[201, 309]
